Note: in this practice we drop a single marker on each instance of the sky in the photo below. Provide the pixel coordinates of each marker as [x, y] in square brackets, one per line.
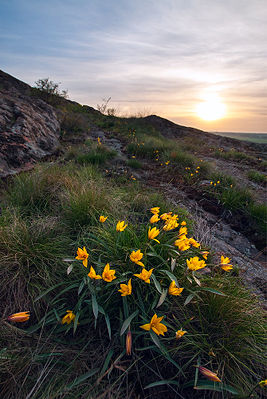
[163, 57]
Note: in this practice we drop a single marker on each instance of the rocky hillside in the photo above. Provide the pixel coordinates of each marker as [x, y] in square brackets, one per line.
[154, 151]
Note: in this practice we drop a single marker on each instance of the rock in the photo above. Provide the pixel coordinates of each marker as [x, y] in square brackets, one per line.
[29, 128]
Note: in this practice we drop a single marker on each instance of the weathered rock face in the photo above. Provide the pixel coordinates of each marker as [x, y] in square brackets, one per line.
[29, 128]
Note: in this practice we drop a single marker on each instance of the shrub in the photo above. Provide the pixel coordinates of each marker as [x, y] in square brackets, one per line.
[257, 177]
[97, 155]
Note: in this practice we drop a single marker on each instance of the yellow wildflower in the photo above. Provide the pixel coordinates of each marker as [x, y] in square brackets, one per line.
[263, 383]
[126, 289]
[166, 216]
[145, 275]
[155, 210]
[225, 264]
[156, 325]
[205, 254]
[108, 274]
[155, 218]
[121, 226]
[82, 255]
[68, 318]
[173, 290]
[136, 256]
[209, 374]
[102, 219]
[180, 333]
[195, 263]
[183, 223]
[182, 244]
[153, 233]
[182, 231]
[19, 317]
[170, 224]
[93, 274]
[194, 242]
[99, 141]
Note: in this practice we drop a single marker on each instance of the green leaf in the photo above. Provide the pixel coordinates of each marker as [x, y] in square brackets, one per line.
[155, 339]
[162, 297]
[157, 284]
[49, 289]
[196, 279]
[172, 277]
[212, 290]
[189, 299]
[76, 322]
[94, 306]
[82, 378]
[127, 322]
[162, 382]
[81, 286]
[215, 386]
[107, 360]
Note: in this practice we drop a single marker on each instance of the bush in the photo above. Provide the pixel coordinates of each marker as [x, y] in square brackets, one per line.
[256, 177]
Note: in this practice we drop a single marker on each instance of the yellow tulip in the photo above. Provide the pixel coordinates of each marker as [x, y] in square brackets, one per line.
[121, 226]
[173, 290]
[155, 210]
[209, 374]
[136, 256]
[108, 274]
[156, 325]
[68, 318]
[82, 255]
[155, 218]
[153, 233]
[102, 219]
[180, 333]
[93, 274]
[145, 275]
[225, 264]
[126, 289]
[195, 263]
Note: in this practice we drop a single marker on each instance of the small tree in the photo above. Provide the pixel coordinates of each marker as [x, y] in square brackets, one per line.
[50, 89]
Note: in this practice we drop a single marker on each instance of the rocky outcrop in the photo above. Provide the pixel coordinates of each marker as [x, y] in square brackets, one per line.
[29, 128]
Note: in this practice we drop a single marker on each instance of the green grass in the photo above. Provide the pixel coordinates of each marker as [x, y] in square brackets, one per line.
[256, 176]
[53, 210]
[134, 163]
[97, 155]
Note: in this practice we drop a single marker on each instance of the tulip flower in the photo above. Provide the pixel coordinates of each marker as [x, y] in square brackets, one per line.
[19, 317]
[68, 318]
[180, 333]
[166, 216]
[121, 226]
[126, 289]
[155, 210]
[183, 223]
[102, 219]
[205, 254]
[183, 231]
[209, 374]
[82, 255]
[156, 325]
[145, 275]
[108, 274]
[194, 243]
[153, 233]
[182, 244]
[225, 264]
[173, 290]
[136, 256]
[263, 383]
[93, 274]
[154, 219]
[195, 263]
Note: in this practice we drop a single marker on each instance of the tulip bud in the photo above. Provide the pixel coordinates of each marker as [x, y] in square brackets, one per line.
[19, 317]
[209, 374]
[129, 343]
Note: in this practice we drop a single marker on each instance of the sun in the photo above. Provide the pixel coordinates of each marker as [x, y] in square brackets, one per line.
[211, 109]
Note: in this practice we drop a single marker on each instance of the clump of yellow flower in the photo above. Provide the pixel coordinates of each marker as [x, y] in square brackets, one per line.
[108, 274]
[195, 263]
[145, 275]
[225, 264]
[156, 325]
[102, 218]
[136, 256]
[153, 233]
[180, 333]
[68, 318]
[82, 255]
[173, 290]
[126, 289]
[93, 274]
[154, 219]
[121, 226]
[263, 383]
